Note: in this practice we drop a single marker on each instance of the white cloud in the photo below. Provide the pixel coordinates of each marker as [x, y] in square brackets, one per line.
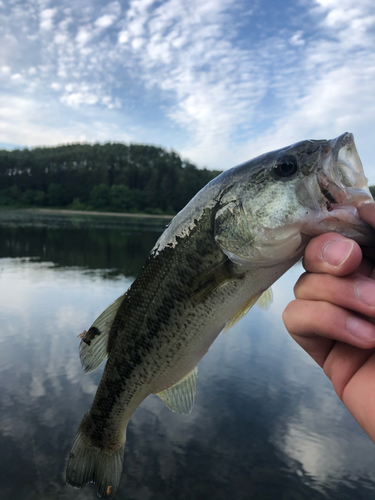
[46, 18]
[334, 91]
[84, 35]
[61, 38]
[44, 125]
[297, 39]
[105, 21]
[185, 52]
[227, 81]
[123, 37]
[76, 98]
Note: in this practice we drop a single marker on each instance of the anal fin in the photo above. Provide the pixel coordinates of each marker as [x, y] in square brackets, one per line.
[180, 397]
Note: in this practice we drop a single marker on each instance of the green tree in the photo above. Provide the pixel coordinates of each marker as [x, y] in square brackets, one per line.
[33, 197]
[121, 198]
[99, 196]
[150, 177]
[56, 195]
[10, 196]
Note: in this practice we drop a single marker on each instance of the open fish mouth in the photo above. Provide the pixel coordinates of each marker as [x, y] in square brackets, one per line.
[342, 181]
[344, 187]
[330, 200]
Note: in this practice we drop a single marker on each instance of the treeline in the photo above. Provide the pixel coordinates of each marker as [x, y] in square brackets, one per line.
[113, 177]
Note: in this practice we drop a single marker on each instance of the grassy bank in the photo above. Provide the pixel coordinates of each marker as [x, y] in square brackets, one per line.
[93, 212]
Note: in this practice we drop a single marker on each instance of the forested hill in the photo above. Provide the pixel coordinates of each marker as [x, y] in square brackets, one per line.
[115, 177]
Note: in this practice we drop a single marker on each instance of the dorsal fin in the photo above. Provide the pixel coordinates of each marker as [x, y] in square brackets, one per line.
[180, 397]
[93, 346]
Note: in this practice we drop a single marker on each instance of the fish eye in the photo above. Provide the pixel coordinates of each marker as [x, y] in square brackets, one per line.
[285, 167]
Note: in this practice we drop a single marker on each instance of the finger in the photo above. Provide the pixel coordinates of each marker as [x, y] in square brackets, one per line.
[358, 396]
[315, 325]
[354, 292]
[342, 364]
[332, 253]
[316, 346]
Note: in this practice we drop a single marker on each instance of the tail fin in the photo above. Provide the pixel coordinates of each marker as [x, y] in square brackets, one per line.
[88, 464]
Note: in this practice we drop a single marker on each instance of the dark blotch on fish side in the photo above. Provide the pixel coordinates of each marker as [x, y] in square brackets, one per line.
[91, 334]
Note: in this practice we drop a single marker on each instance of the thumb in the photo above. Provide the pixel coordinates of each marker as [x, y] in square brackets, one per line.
[332, 253]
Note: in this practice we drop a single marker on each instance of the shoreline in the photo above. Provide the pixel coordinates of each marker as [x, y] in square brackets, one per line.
[63, 211]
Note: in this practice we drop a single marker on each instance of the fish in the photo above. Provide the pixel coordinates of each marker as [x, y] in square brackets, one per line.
[216, 259]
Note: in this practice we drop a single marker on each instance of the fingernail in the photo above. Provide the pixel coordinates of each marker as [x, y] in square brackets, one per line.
[337, 252]
[365, 291]
[360, 329]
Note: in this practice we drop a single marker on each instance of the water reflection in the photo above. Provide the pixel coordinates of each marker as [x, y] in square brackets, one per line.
[99, 242]
[266, 424]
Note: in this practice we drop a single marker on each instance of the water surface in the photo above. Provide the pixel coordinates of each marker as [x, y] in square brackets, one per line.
[266, 423]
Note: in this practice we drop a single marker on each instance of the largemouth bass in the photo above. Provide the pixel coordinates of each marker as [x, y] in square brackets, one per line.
[216, 259]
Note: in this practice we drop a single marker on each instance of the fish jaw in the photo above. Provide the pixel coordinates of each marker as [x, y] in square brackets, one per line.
[344, 187]
[347, 171]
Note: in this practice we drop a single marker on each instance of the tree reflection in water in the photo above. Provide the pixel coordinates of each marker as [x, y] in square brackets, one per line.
[266, 424]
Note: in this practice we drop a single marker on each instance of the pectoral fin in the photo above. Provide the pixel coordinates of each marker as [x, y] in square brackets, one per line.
[265, 300]
[262, 300]
[240, 313]
[180, 397]
[94, 343]
[207, 282]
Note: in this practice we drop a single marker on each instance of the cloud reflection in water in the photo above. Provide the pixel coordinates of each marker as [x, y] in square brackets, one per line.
[266, 423]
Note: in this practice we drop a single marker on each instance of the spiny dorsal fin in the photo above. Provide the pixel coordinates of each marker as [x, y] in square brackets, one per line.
[180, 397]
[265, 300]
[93, 346]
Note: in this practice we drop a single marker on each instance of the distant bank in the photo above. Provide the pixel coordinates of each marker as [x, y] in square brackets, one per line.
[88, 212]
[109, 177]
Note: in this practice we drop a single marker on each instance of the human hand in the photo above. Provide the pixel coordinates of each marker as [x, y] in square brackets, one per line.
[332, 317]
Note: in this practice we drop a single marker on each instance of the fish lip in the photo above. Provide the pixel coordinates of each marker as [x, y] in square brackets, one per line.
[343, 188]
[341, 179]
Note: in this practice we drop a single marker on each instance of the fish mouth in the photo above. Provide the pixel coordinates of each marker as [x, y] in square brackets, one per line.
[330, 200]
[344, 188]
[342, 181]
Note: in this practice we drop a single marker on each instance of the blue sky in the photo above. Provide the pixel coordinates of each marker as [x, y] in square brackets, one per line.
[216, 80]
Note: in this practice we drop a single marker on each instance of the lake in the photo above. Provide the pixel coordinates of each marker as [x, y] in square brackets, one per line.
[266, 422]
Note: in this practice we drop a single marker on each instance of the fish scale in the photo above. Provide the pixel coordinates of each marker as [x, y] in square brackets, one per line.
[214, 261]
[155, 322]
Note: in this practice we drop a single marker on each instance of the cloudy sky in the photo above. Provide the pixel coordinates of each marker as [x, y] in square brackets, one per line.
[219, 81]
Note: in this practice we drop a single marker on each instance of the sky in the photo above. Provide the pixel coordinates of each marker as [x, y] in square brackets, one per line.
[218, 81]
